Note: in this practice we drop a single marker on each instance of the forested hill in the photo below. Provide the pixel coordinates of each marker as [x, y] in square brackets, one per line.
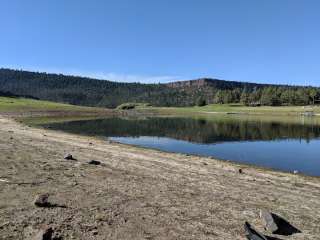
[94, 92]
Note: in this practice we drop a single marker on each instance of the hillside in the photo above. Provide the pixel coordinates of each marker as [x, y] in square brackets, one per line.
[103, 93]
[217, 83]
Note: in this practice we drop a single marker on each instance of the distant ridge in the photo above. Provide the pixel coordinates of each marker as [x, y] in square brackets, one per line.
[106, 93]
[201, 82]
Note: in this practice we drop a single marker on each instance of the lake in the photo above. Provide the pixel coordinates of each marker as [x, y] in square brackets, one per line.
[282, 143]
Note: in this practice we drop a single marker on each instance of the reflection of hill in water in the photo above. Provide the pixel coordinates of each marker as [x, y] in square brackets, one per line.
[200, 131]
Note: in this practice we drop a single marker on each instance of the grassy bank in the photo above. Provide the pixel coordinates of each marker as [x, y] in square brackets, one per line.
[12, 104]
[38, 112]
[8, 104]
[32, 111]
[234, 108]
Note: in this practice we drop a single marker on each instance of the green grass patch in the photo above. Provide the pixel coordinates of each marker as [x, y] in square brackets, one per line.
[12, 104]
[234, 108]
[38, 121]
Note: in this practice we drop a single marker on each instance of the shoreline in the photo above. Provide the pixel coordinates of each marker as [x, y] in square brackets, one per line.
[37, 123]
[204, 157]
[140, 192]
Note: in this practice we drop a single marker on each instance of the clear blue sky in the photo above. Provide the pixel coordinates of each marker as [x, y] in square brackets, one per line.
[270, 41]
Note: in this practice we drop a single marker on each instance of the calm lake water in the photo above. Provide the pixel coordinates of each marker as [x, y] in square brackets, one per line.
[281, 143]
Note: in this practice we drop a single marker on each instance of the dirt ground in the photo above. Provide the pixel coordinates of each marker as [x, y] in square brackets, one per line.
[139, 193]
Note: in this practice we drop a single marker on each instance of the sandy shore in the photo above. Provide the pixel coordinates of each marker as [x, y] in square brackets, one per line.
[139, 193]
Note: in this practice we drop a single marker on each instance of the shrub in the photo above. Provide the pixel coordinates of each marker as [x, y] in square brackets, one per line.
[201, 102]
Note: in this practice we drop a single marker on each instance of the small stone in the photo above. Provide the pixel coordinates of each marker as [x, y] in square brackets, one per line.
[42, 200]
[94, 162]
[204, 163]
[68, 157]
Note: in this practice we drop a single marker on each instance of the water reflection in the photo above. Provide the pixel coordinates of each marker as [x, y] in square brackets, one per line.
[204, 131]
[281, 143]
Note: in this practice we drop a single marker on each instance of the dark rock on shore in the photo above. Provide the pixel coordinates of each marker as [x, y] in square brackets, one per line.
[42, 200]
[69, 157]
[94, 162]
[277, 225]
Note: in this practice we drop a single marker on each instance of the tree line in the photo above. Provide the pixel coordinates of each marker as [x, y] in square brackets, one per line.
[102, 93]
[266, 96]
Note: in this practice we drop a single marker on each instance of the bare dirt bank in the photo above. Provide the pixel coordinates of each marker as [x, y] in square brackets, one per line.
[139, 193]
